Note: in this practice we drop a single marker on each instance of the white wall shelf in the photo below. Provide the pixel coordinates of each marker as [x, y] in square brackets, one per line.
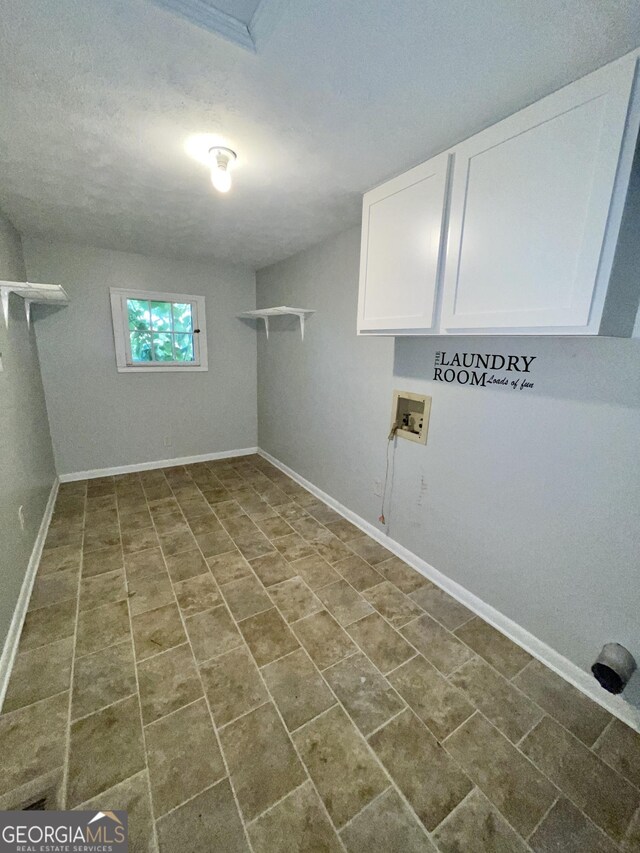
[282, 311]
[50, 294]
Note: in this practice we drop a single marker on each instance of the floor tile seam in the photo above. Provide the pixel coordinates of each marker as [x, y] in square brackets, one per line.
[67, 749]
[102, 708]
[206, 698]
[141, 718]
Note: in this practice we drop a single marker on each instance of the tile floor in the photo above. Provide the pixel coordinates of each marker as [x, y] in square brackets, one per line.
[217, 651]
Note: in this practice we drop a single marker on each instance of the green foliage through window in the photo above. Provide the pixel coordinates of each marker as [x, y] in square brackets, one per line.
[161, 331]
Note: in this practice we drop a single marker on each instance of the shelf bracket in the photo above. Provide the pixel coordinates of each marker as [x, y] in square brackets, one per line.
[27, 312]
[4, 293]
[266, 326]
[301, 317]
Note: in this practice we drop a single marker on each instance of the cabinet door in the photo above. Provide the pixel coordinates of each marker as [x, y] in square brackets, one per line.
[530, 200]
[400, 259]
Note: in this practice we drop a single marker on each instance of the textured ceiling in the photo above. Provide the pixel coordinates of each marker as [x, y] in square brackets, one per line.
[98, 99]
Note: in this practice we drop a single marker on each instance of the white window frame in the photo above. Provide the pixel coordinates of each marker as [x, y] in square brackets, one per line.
[119, 314]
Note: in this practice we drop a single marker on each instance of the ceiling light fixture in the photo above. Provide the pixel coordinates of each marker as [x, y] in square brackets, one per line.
[222, 161]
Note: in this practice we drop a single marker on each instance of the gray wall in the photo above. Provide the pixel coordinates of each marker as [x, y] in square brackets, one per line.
[26, 457]
[530, 498]
[101, 418]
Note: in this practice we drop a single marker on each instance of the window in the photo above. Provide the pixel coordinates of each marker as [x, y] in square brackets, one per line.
[158, 331]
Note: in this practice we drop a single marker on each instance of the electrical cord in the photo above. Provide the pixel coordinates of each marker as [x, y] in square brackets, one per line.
[390, 438]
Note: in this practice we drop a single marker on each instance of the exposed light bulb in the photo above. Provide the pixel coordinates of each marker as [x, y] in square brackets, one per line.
[222, 160]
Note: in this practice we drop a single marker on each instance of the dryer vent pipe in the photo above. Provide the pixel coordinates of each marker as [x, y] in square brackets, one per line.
[614, 667]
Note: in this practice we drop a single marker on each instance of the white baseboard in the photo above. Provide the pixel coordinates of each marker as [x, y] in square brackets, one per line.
[568, 670]
[151, 466]
[12, 640]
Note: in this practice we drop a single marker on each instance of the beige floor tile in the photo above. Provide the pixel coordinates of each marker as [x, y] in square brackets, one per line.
[502, 773]
[212, 633]
[386, 825]
[298, 823]
[170, 521]
[157, 630]
[177, 543]
[47, 625]
[476, 827]
[315, 572]
[294, 547]
[370, 550]
[323, 513]
[344, 530]
[608, 799]
[54, 588]
[184, 756]
[307, 527]
[143, 564]
[330, 548]
[246, 597]
[132, 795]
[292, 512]
[240, 525]
[567, 829]
[503, 704]
[619, 747]
[139, 540]
[344, 603]
[197, 594]
[394, 605]
[268, 636]
[407, 580]
[297, 688]
[232, 685]
[272, 568]
[59, 559]
[274, 528]
[344, 771]
[150, 593]
[167, 682]
[38, 674]
[185, 565]
[102, 678]
[103, 560]
[227, 509]
[102, 589]
[367, 696]
[48, 787]
[32, 741]
[494, 647]
[101, 627]
[254, 546]
[442, 607]
[562, 701]
[325, 641]
[229, 567]
[130, 522]
[294, 599]
[194, 507]
[210, 821]
[438, 645]
[438, 704]
[262, 761]
[380, 642]
[106, 748]
[100, 538]
[358, 573]
[426, 775]
[204, 524]
[631, 842]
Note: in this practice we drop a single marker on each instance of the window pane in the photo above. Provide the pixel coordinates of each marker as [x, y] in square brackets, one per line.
[139, 315]
[161, 316]
[140, 346]
[183, 347]
[182, 319]
[162, 348]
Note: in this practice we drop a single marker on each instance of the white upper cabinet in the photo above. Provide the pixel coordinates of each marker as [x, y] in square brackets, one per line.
[401, 258]
[531, 206]
[541, 222]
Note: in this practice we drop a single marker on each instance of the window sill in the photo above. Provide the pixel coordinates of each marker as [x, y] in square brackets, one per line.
[172, 369]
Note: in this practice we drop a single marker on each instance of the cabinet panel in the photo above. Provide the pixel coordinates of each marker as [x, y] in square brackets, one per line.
[530, 203]
[401, 250]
